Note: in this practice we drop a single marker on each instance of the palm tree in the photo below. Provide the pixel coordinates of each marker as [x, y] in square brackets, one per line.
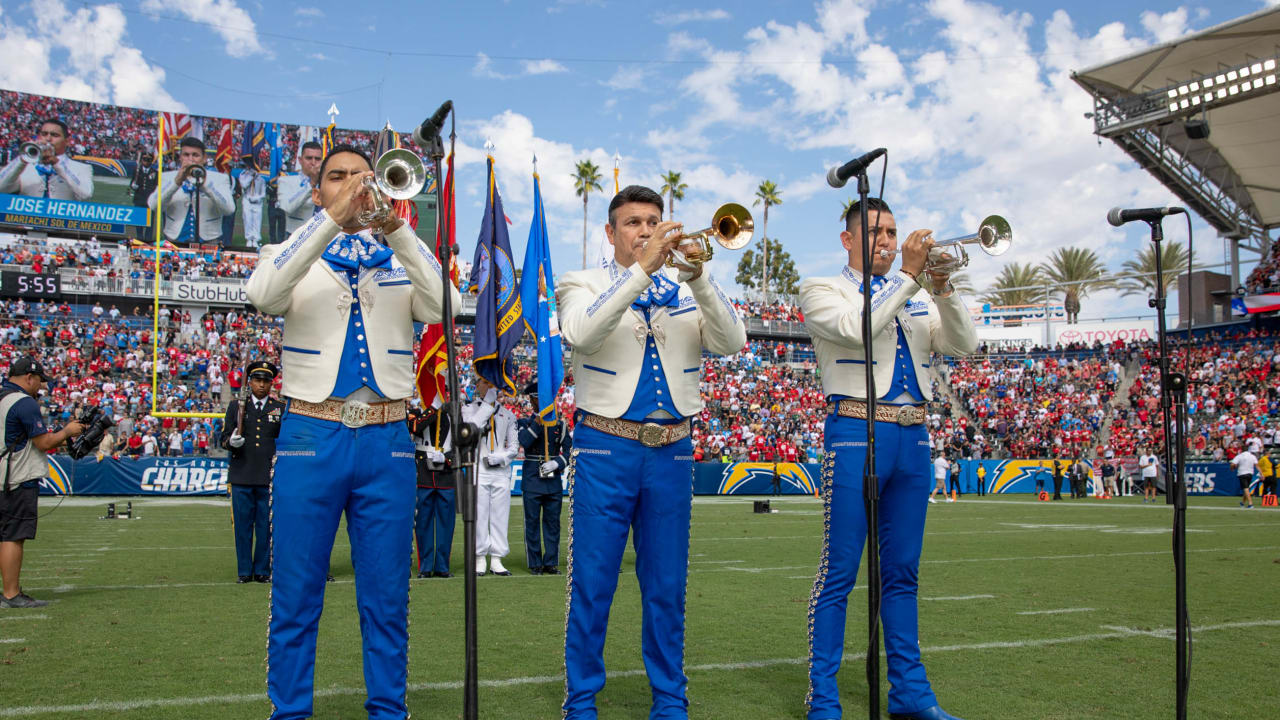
[769, 194]
[1017, 284]
[586, 177]
[1142, 272]
[674, 190]
[961, 282]
[1078, 272]
[844, 207]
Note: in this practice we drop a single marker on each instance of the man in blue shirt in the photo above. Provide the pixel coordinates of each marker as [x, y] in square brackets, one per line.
[26, 440]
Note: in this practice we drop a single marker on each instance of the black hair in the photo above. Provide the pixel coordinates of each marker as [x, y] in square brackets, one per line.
[192, 142]
[341, 149]
[852, 217]
[633, 194]
[310, 145]
[55, 121]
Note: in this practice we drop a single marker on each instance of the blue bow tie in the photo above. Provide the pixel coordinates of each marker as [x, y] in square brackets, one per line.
[351, 252]
[663, 292]
[45, 170]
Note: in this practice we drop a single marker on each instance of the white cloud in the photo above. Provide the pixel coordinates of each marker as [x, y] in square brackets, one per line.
[53, 57]
[313, 12]
[542, 67]
[231, 22]
[1169, 26]
[687, 16]
[484, 68]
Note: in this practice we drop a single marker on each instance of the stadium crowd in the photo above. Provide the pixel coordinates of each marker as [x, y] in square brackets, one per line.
[105, 131]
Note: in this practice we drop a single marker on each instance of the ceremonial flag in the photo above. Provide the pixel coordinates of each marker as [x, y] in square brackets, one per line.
[538, 298]
[255, 136]
[433, 358]
[498, 314]
[222, 160]
[276, 153]
[1266, 302]
[326, 141]
[176, 126]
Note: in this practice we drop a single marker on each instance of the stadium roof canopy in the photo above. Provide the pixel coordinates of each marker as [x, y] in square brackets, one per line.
[1157, 105]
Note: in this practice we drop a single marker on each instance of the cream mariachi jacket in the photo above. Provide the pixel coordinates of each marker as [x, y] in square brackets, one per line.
[609, 336]
[316, 302]
[833, 315]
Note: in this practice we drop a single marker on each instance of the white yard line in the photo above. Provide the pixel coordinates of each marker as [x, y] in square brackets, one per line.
[12, 640]
[10, 618]
[1059, 611]
[961, 597]
[258, 697]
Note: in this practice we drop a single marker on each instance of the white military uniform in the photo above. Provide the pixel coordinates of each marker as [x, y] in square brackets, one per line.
[497, 448]
[71, 180]
[253, 188]
[293, 196]
[215, 201]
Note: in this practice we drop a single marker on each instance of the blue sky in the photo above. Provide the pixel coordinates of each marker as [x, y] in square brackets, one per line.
[973, 100]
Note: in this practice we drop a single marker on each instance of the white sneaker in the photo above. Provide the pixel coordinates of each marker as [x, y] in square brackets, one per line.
[932, 501]
[495, 566]
[480, 566]
[950, 500]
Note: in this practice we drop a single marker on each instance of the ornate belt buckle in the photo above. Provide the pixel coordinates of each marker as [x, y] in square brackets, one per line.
[356, 414]
[651, 435]
[910, 415]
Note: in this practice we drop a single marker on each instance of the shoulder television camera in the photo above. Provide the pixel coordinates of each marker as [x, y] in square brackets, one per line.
[96, 423]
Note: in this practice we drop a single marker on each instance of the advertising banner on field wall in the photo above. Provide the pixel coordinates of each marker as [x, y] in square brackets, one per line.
[1105, 332]
[208, 476]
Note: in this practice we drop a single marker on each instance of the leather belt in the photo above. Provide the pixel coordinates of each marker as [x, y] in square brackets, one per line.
[649, 434]
[904, 415]
[352, 413]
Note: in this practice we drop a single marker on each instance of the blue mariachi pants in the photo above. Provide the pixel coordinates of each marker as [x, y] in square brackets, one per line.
[321, 469]
[902, 464]
[250, 517]
[434, 528]
[542, 529]
[616, 485]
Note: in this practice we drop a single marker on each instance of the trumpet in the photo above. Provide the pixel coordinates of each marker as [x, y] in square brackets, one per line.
[994, 237]
[197, 174]
[398, 174]
[731, 227]
[32, 151]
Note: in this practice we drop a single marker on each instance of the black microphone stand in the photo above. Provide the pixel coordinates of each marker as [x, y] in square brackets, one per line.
[195, 217]
[870, 481]
[465, 438]
[1173, 398]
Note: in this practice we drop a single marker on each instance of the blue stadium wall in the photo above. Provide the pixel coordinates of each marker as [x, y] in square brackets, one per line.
[208, 476]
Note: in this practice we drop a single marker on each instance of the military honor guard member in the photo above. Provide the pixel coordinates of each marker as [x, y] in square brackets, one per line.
[434, 513]
[249, 434]
[53, 175]
[294, 191]
[638, 338]
[252, 188]
[913, 313]
[349, 294]
[546, 455]
[498, 447]
[177, 197]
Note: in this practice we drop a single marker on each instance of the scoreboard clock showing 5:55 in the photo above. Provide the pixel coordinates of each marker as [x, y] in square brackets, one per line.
[30, 285]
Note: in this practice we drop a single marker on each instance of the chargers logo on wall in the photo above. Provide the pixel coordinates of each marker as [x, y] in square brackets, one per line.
[738, 476]
[58, 482]
[184, 475]
[1020, 475]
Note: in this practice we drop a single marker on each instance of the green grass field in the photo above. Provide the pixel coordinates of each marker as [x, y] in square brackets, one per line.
[147, 621]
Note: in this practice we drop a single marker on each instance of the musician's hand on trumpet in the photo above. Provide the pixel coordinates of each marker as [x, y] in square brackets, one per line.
[657, 247]
[351, 199]
[915, 252]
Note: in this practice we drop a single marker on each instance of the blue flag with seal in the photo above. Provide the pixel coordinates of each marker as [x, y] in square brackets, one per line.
[538, 297]
[498, 316]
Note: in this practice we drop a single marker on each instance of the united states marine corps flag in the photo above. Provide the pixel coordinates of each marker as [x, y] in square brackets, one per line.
[493, 274]
[538, 297]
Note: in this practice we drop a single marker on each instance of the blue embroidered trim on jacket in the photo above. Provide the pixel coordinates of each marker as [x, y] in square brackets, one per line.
[394, 282]
[400, 352]
[852, 361]
[889, 287]
[682, 311]
[302, 236]
[304, 351]
[621, 280]
[727, 305]
[391, 274]
[428, 256]
[692, 369]
[598, 369]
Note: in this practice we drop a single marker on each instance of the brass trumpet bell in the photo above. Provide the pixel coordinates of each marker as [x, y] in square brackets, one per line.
[399, 174]
[731, 227]
[31, 152]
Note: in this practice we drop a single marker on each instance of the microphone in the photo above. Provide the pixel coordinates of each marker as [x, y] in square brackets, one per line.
[838, 176]
[431, 126]
[1119, 217]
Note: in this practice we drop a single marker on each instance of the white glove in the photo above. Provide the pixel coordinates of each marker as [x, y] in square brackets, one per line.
[236, 440]
[494, 460]
[548, 468]
[435, 456]
[491, 397]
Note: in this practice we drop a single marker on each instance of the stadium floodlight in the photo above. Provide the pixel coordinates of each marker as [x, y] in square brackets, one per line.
[1229, 85]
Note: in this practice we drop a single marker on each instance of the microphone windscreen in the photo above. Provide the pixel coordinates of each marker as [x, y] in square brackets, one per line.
[834, 179]
[1114, 216]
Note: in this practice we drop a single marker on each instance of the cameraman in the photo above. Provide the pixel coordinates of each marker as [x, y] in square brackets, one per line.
[26, 442]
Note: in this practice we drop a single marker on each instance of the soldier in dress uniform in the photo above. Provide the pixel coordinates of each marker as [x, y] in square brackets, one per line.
[54, 175]
[251, 186]
[178, 197]
[497, 448]
[434, 517]
[546, 455]
[249, 433]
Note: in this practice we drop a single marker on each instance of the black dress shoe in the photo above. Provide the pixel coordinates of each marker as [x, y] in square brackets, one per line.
[262, 578]
[535, 571]
[930, 713]
[445, 574]
[328, 578]
[423, 575]
[243, 579]
[551, 570]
